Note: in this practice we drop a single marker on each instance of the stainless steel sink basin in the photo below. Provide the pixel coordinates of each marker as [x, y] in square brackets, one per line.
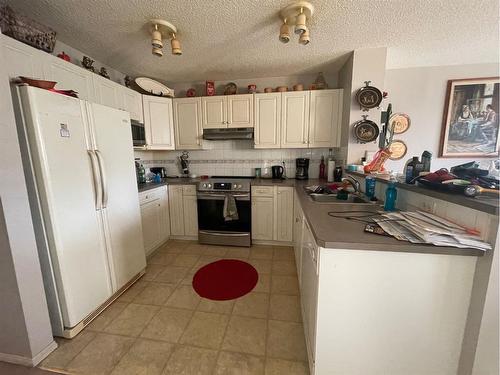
[332, 198]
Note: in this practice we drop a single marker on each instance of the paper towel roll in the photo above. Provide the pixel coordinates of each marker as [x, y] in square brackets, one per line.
[330, 169]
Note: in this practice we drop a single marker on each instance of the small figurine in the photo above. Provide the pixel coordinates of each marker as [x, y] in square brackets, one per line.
[128, 81]
[64, 56]
[104, 73]
[190, 93]
[87, 63]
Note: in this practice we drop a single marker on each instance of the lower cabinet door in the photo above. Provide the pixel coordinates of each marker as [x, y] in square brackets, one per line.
[262, 218]
[176, 208]
[284, 214]
[165, 214]
[151, 224]
[190, 216]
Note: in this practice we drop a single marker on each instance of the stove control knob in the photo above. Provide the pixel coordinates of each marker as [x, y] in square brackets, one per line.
[204, 185]
[209, 186]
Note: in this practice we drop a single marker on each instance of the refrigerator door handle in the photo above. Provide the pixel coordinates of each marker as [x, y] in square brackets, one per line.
[96, 180]
[104, 180]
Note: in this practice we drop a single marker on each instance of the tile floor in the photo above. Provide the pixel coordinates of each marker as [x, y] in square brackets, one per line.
[161, 326]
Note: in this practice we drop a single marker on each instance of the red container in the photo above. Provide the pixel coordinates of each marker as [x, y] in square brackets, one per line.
[210, 88]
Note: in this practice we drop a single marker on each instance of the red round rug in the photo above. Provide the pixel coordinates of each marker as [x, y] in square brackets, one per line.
[225, 279]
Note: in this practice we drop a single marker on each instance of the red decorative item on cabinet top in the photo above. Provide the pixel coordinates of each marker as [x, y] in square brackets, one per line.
[64, 56]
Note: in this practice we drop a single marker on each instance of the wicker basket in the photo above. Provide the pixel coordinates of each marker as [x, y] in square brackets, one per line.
[26, 30]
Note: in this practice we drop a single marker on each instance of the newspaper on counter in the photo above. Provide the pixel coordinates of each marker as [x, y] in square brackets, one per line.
[426, 228]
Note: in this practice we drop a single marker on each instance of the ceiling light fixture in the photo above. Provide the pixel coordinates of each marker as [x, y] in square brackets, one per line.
[297, 15]
[159, 30]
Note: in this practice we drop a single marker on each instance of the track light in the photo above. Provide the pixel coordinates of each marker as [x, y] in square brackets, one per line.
[284, 32]
[175, 45]
[160, 29]
[304, 37]
[300, 22]
[156, 38]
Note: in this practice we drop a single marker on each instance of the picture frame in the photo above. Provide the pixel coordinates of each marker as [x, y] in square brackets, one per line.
[470, 124]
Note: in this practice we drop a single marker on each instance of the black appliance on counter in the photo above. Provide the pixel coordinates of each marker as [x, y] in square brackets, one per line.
[277, 171]
[213, 229]
[302, 168]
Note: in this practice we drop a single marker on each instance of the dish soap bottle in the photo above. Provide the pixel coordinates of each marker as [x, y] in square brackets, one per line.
[391, 195]
[322, 168]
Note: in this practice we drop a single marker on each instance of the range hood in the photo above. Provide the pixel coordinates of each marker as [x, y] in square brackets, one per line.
[228, 133]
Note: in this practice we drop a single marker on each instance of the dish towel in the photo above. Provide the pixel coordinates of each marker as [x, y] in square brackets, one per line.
[230, 211]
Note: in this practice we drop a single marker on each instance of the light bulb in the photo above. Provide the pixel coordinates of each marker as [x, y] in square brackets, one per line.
[284, 33]
[176, 46]
[300, 23]
[304, 37]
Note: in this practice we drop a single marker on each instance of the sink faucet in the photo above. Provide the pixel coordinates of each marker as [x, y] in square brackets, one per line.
[353, 182]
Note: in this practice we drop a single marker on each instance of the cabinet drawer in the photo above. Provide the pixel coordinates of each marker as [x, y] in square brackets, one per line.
[189, 189]
[263, 191]
[151, 195]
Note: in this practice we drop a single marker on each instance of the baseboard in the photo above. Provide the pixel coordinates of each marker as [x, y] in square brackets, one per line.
[271, 243]
[184, 238]
[26, 361]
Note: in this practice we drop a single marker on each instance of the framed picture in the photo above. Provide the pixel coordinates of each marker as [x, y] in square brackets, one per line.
[471, 118]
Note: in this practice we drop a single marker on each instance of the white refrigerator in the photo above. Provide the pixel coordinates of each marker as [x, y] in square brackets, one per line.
[79, 164]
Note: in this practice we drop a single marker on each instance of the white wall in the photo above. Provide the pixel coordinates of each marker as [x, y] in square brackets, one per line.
[420, 92]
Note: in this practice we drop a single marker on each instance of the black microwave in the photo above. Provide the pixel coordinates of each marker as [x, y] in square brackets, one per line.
[138, 134]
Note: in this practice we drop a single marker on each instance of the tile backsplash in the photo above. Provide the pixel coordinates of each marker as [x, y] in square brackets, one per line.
[235, 158]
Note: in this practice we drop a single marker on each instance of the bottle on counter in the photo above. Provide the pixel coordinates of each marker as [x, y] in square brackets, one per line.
[370, 186]
[337, 174]
[413, 168]
[322, 168]
[330, 166]
[391, 195]
[426, 161]
[142, 174]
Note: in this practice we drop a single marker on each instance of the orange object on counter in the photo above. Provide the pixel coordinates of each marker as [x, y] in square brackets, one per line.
[378, 161]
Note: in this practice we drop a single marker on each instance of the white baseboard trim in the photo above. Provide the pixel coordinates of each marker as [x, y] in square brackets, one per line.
[271, 243]
[26, 361]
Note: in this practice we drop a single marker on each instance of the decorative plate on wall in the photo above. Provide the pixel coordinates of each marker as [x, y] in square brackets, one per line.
[369, 97]
[400, 122]
[365, 130]
[398, 150]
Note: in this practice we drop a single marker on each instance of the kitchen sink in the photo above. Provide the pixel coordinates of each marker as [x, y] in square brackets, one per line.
[332, 198]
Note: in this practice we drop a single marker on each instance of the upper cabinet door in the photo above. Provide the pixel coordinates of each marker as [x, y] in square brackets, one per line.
[240, 111]
[267, 120]
[106, 92]
[187, 123]
[21, 59]
[158, 123]
[325, 118]
[70, 77]
[294, 119]
[132, 103]
[214, 112]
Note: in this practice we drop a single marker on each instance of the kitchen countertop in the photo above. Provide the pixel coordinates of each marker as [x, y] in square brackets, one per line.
[487, 204]
[340, 233]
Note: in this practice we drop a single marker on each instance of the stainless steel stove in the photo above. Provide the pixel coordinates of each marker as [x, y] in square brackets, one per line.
[215, 229]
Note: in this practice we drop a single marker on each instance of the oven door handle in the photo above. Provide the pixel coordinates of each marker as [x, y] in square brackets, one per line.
[205, 196]
[225, 234]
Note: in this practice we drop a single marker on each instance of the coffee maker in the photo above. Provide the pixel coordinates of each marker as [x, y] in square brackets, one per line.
[302, 168]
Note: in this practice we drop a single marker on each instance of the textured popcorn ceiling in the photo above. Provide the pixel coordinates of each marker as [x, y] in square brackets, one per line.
[239, 38]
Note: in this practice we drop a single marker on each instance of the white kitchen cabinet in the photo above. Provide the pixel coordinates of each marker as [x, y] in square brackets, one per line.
[69, 77]
[132, 103]
[187, 123]
[262, 218]
[267, 115]
[284, 214]
[294, 119]
[165, 215]
[183, 211]
[298, 225]
[240, 111]
[214, 112]
[155, 217]
[107, 93]
[272, 213]
[309, 292]
[325, 118]
[158, 123]
[21, 59]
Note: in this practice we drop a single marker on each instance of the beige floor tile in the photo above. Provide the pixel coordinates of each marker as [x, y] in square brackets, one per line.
[184, 297]
[167, 325]
[237, 252]
[205, 330]
[132, 320]
[152, 270]
[246, 335]
[172, 274]
[284, 307]
[284, 285]
[219, 307]
[154, 294]
[283, 253]
[188, 279]
[204, 260]
[194, 248]
[239, 364]
[186, 260]
[187, 360]
[261, 252]
[285, 340]
[162, 258]
[263, 284]
[263, 266]
[280, 366]
[253, 305]
[133, 291]
[218, 251]
[284, 267]
[67, 350]
[107, 316]
[100, 355]
[146, 357]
